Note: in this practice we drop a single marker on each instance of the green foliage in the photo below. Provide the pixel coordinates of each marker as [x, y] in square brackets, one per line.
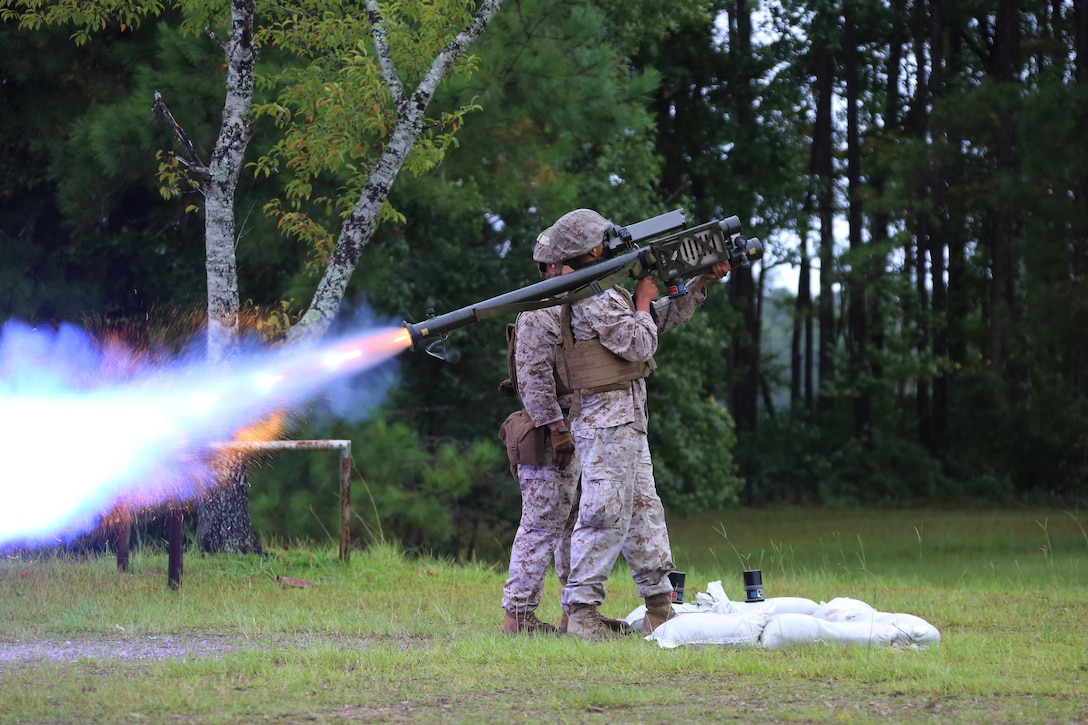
[87, 18]
[79, 206]
[794, 461]
[631, 107]
[451, 499]
[336, 112]
[563, 123]
[691, 434]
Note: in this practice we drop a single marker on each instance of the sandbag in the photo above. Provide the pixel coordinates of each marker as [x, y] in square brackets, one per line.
[843, 609]
[784, 622]
[775, 605]
[913, 632]
[716, 600]
[883, 630]
[707, 628]
[789, 630]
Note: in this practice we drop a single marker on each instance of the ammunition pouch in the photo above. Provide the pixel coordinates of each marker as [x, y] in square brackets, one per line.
[524, 441]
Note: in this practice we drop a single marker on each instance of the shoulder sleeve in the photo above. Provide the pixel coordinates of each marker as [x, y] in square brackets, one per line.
[537, 334]
[671, 312]
[610, 317]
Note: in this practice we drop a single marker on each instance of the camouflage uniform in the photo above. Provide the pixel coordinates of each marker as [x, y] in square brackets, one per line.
[549, 496]
[620, 509]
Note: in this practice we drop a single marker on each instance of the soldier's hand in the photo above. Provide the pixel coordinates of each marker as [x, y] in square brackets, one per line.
[720, 269]
[645, 292]
[562, 447]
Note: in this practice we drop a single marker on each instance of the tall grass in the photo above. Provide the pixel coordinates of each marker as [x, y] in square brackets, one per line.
[399, 638]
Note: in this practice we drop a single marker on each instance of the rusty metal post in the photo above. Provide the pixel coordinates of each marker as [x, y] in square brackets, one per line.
[121, 534]
[344, 446]
[345, 504]
[176, 541]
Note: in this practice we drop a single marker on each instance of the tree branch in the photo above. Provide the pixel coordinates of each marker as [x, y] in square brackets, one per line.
[360, 224]
[385, 57]
[193, 162]
[215, 39]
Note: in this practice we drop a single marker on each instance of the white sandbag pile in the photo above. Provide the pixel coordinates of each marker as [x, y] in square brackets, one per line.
[782, 622]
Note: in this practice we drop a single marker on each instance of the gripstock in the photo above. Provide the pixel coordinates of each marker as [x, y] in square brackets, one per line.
[662, 246]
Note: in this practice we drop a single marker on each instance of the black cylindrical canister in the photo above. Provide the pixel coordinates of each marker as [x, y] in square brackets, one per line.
[753, 585]
[676, 578]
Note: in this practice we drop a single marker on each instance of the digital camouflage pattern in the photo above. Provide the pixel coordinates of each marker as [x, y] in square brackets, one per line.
[549, 506]
[536, 337]
[577, 232]
[620, 510]
[549, 496]
[631, 335]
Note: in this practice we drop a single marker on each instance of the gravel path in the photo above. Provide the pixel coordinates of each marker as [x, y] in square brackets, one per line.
[139, 648]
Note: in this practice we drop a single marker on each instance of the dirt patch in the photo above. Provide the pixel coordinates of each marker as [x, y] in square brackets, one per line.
[144, 648]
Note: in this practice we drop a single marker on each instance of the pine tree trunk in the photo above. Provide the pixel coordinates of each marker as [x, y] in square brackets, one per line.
[823, 172]
[1004, 290]
[959, 295]
[801, 340]
[938, 241]
[743, 290]
[920, 124]
[1080, 244]
[856, 310]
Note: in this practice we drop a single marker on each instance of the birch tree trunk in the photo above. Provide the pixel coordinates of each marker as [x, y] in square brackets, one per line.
[223, 523]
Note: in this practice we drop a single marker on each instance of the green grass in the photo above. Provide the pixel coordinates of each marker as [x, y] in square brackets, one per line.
[401, 639]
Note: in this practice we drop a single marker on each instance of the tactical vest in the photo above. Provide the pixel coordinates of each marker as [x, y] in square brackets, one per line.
[587, 366]
[510, 388]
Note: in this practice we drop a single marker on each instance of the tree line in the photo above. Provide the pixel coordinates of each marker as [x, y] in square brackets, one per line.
[917, 168]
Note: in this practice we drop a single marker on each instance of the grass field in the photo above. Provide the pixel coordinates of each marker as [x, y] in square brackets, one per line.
[405, 639]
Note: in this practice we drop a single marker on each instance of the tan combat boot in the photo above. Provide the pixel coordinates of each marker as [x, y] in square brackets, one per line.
[618, 626]
[526, 623]
[584, 621]
[658, 610]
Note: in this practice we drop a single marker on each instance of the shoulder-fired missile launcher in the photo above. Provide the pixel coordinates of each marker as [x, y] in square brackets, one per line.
[662, 246]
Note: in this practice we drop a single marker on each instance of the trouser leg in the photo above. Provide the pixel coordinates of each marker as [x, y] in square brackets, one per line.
[646, 546]
[604, 513]
[547, 497]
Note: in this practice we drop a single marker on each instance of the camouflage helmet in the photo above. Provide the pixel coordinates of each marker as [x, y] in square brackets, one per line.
[577, 232]
[545, 252]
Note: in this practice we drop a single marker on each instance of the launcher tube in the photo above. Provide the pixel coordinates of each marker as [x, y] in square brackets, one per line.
[534, 297]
